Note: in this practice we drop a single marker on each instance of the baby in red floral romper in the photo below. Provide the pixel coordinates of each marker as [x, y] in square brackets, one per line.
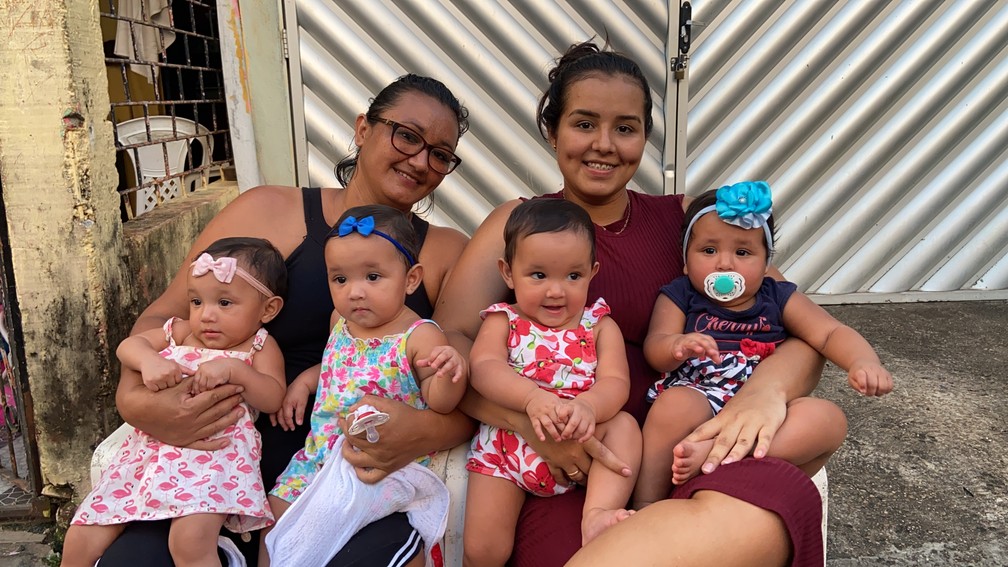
[560, 362]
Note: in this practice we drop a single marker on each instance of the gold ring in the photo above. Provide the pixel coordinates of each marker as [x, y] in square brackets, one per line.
[577, 471]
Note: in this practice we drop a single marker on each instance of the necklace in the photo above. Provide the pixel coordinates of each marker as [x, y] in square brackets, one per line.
[626, 215]
[626, 219]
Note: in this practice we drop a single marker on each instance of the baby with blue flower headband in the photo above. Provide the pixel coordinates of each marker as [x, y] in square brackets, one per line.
[712, 326]
[377, 346]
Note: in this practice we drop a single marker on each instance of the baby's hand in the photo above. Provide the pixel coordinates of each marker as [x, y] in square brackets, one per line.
[292, 410]
[541, 407]
[580, 418]
[212, 373]
[870, 379]
[159, 373]
[696, 345]
[447, 362]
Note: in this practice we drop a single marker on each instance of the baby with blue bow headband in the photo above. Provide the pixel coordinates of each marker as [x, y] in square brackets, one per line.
[377, 346]
[712, 326]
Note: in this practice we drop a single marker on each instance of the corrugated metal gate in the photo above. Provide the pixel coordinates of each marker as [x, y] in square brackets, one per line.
[493, 55]
[880, 125]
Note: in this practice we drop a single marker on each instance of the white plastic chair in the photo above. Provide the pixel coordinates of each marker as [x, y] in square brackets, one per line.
[151, 166]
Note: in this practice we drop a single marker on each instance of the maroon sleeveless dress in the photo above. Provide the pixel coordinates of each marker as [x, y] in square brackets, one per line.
[633, 265]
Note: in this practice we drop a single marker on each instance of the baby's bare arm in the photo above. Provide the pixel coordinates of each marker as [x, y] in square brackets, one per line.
[441, 371]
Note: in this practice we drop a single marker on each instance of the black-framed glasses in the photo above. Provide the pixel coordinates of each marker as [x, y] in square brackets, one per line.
[408, 141]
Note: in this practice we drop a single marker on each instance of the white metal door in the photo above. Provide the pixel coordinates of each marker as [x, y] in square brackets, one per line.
[880, 125]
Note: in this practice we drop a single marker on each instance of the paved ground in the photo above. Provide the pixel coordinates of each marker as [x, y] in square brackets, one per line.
[922, 477]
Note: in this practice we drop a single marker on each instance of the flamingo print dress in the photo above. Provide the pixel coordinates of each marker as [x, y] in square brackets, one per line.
[151, 480]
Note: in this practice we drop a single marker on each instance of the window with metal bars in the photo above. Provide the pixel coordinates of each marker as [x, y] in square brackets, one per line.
[166, 86]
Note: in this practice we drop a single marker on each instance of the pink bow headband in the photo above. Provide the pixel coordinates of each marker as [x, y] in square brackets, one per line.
[225, 269]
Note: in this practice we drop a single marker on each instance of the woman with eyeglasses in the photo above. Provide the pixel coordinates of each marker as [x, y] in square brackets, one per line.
[405, 146]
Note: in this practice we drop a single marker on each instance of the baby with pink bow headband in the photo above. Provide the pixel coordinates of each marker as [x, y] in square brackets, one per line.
[223, 341]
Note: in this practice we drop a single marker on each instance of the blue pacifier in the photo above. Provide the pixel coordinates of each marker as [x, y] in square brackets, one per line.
[724, 286]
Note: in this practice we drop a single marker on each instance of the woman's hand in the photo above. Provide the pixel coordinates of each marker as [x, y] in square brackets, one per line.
[217, 401]
[402, 440]
[750, 420]
[745, 422]
[177, 417]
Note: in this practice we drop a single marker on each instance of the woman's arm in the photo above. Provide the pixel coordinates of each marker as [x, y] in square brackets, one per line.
[559, 455]
[180, 418]
[475, 282]
[440, 252]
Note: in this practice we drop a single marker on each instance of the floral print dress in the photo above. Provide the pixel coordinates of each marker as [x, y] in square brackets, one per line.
[351, 368]
[151, 480]
[561, 361]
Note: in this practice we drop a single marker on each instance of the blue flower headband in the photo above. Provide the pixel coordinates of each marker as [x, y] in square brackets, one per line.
[746, 204]
[366, 227]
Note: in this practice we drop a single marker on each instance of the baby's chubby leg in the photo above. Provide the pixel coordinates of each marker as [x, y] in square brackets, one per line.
[83, 545]
[674, 415]
[491, 515]
[608, 490]
[812, 431]
[193, 540]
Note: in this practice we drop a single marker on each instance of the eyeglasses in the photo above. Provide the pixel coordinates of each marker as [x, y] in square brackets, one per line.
[408, 141]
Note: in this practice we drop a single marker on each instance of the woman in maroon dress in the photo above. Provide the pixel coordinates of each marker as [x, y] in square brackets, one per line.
[596, 113]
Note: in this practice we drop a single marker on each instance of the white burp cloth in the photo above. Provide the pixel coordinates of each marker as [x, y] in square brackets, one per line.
[336, 505]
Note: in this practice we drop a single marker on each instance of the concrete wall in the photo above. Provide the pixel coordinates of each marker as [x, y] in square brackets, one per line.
[58, 173]
[79, 275]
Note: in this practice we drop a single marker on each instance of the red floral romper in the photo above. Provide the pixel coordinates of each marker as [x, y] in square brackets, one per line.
[561, 361]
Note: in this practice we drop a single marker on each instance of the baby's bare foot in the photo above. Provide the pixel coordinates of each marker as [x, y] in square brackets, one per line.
[596, 520]
[688, 458]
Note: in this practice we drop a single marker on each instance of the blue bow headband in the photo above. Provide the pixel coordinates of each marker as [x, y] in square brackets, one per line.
[746, 205]
[365, 226]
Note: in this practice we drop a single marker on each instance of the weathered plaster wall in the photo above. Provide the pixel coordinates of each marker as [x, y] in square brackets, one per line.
[58, 172]
[80, 276]
[157, 241]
